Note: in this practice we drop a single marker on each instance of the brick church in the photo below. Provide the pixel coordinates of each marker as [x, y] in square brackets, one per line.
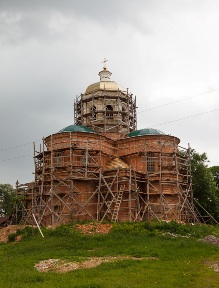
[103, 168]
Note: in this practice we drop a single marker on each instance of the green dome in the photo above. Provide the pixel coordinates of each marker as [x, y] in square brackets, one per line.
[77, 128]
[145, 131]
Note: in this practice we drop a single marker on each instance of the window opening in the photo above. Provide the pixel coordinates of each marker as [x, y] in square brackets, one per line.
[109, 114]
[58, 159]
[93, 112]
[123, 114]
[150, 162]
[84, 160]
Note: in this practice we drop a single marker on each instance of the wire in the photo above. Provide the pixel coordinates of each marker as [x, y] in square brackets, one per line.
[176, 120]
[180, 100]
[153, 108]
[191, 116]
[16, 158]
[13, 147]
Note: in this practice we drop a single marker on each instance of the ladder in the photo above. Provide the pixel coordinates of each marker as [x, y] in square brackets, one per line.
[117, 204]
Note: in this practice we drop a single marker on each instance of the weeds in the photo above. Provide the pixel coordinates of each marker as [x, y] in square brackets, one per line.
[24, 233]
[168, 261]
[152, 227]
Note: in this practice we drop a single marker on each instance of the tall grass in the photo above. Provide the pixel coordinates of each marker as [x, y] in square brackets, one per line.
[169, 261]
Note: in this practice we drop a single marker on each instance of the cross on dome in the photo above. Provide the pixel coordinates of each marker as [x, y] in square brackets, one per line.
[104, 74]
[104, 61]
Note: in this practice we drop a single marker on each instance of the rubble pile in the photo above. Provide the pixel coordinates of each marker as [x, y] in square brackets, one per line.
[211, 240]
[94, 228]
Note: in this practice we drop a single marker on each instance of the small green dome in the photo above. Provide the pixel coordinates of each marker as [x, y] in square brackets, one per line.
[145, 131]
[77, 128]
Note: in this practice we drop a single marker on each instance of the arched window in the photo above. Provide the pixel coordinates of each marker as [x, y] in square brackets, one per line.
[150, 162]
[123, 114]
[85, 159]
[58, 158]
[109, 114]
[93, 112]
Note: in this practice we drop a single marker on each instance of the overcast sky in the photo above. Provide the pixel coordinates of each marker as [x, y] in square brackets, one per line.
[165, 51]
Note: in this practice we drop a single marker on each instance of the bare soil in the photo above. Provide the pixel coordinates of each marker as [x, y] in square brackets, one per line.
[214, 265]
[6, 231]
[94, 228]
[62, 266]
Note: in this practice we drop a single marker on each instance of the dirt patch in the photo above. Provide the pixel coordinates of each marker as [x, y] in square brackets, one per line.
[94, 228]
[211, 240]
[5, 232]
[62, 266]
[214, 265]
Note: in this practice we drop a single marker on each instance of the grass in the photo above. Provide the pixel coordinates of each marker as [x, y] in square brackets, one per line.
[180, 261]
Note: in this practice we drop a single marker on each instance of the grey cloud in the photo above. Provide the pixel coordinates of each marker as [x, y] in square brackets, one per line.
[52, 50]
[25, 19]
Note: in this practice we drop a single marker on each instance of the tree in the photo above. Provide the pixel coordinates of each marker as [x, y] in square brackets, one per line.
[215, 171]
[7, 198]
[205, 189]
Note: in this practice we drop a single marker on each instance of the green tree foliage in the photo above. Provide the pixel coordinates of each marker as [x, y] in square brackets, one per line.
[205, 189]
[215, 172]
[7, 198]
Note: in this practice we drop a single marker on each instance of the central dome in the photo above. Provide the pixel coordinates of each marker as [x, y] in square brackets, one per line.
[106, 107]
[104, 83]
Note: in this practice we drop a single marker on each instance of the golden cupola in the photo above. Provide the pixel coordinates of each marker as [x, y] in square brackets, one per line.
[106, 107]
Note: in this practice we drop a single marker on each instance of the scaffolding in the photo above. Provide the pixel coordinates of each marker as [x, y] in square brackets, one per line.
[73, 183]
[106, 111]
[76, 178]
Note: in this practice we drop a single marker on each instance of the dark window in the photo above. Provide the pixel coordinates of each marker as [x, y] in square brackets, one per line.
[109, 114]
[150, 162]
[123, 114]
[84, 158]
[58, 158]
[93, 112]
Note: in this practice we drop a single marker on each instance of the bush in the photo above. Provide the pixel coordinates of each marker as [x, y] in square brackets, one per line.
[25, 233]
[152, 227]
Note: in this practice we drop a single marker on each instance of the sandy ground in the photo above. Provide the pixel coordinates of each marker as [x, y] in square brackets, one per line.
[61, 266]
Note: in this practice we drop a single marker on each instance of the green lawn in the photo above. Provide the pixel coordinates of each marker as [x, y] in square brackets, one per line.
[177, 261]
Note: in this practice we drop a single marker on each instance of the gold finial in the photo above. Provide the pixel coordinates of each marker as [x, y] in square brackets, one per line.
[104, 61]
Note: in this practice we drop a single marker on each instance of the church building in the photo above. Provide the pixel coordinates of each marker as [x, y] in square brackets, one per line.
[103, 168]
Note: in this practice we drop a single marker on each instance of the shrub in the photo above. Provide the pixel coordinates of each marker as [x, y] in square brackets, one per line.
[25, 233]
